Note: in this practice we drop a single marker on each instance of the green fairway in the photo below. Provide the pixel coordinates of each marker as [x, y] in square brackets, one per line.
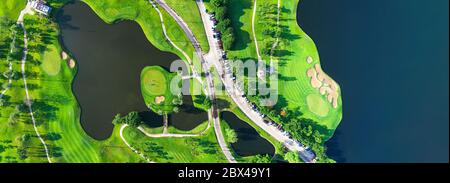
[204, 149]
[11, 8]
[296, 91]
[188, 10]
[51, 62]
[156, 89]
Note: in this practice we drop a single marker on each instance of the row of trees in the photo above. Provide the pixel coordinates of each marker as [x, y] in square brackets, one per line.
[270, 29]
[220, 9]
[261, 159]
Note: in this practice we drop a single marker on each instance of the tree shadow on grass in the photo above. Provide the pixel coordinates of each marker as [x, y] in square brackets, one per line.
[286, 78]
[236, 11]
[206, 146]
[151, 147]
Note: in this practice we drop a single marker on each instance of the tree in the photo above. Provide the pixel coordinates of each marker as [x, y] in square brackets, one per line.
[52, 136]
[117, 120]
[267, 47]
[292, 157]
[228, 38]
[207, 103]
[261, 159]
[231, 135]
[221, 13]
[218, 3]
[22, 152]
[204, 101]
[223, 25]
[317, 137]
[133, 119]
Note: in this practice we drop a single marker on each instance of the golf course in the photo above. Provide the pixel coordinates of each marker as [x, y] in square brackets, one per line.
[46, 118]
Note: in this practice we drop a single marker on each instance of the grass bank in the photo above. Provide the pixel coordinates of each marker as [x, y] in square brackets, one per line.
[203, 149]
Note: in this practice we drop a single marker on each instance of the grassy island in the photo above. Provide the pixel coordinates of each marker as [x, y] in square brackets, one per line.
[157, 90]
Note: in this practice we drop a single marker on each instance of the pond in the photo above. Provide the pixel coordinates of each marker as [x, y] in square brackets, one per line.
[249, 141]
[188, 117]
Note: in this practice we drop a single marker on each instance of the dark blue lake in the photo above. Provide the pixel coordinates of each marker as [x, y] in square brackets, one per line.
[391, 59]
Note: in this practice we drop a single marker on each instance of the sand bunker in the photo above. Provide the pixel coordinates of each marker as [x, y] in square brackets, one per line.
[309, 60]
[326, 86]
[71, 63]
[160, 99]
[64, 55]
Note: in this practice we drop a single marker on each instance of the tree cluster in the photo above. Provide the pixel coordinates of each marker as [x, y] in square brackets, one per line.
[270, 28]
[204, 102]
[220, 9]
[132, 119]
[261, 159]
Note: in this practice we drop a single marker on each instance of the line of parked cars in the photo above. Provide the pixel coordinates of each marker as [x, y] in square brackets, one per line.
[217, 34]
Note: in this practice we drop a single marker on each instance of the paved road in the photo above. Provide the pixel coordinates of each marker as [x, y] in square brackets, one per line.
[214, 58]
[209, 80]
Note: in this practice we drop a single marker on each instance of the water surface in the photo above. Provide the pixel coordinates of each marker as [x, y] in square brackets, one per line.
[391, 59]
[249, 141]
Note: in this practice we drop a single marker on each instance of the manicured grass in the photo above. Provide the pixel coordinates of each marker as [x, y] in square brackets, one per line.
[188, 10]
[154, 81]
[204, 149]
[11, 8]
[295, 91]
[198, 129]
[156, 89]
[51, 62]
[318, 105]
